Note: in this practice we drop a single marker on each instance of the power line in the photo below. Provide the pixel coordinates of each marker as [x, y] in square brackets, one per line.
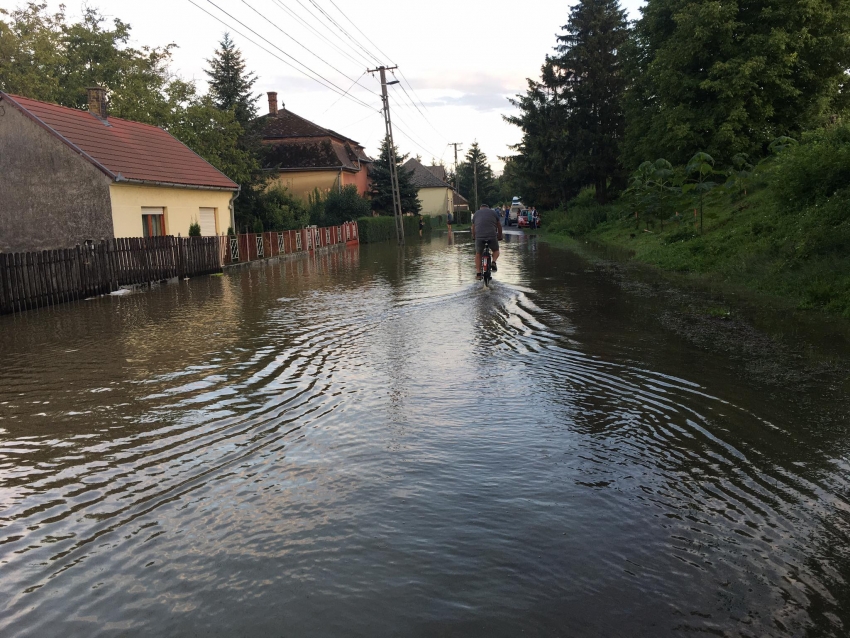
[313, 53]
[361, 32]
[357, 81]
[425, 117]
[419, 139]
[318, 19]
[307, 25]
[347, 34]
[323, 80]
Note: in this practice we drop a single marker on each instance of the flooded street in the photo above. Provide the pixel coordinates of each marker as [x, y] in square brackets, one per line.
[369, 443]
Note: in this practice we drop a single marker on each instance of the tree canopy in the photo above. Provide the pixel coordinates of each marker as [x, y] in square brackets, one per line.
[488, 187]
[230, 81]
[382, 193]
[714, 76]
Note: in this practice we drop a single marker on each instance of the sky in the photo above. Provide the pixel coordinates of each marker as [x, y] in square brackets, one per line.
[460, 60]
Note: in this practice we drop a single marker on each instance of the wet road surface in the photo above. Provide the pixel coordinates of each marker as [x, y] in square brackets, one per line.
[369, 443]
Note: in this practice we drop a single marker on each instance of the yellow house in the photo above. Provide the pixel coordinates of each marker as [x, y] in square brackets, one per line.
[73, 175]
[435, 195]
[304, 156]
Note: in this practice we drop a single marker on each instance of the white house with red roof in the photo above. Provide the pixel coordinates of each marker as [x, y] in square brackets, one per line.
[68, 175]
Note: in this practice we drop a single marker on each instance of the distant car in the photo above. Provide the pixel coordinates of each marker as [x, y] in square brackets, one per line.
[526, 219]
[523, 219]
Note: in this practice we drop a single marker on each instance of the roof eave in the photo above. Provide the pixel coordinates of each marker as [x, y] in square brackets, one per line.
[120, 179]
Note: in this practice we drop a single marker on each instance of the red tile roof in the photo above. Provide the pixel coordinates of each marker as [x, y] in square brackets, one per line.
[125, 149]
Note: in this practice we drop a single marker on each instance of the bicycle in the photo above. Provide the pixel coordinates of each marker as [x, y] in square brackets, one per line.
[486, 262]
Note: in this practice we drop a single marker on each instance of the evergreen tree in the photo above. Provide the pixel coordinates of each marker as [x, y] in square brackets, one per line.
[572, 119]
[382, 192]
[587, 74]
[488, 187]
[230, 83]
[729, 77]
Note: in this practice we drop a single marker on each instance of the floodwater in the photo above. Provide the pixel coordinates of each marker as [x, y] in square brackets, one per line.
[369, 443]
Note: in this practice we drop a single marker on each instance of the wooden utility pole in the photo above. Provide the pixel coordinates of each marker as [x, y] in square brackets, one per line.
[475, 179]
[397, 212]
[457, 179]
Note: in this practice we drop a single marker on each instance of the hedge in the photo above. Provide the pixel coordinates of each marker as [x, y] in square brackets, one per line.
[377, 229]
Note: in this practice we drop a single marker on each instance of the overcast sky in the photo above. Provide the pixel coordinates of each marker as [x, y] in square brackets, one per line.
[463, 58]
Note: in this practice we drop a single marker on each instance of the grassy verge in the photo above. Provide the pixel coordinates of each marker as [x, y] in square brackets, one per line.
[801, 255]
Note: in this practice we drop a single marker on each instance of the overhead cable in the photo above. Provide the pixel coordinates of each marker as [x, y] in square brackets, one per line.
[313, 53]
[347, 34]
[318, 19]
[313, 29]
[322, 80]
[361, 33]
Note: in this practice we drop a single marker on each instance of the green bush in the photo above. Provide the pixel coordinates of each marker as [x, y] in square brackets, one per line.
[194, 229]
[579, 217]
[344, 205]
[814, 170]
[373, 230]
[281, 210]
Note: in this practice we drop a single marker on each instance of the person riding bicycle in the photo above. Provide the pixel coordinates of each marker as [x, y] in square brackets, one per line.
[486, 226]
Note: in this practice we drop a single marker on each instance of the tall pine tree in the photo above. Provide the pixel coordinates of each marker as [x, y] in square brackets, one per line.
[382, 192]
[587, 75]
[572, 119]
[231, 83]
[488, 187]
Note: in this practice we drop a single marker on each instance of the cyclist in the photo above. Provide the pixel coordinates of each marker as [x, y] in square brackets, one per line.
[486, 226]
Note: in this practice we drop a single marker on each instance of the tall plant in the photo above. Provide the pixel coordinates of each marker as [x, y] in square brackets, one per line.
[699, 172]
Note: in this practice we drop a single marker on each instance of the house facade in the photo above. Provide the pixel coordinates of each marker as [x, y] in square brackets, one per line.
[69, 175]
[435, 195]
[304, 156]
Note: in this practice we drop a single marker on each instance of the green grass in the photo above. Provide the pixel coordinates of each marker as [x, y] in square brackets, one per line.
[802, 255]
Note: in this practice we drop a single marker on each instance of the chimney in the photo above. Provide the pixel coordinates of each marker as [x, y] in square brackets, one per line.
[97, 101]
[272, 103]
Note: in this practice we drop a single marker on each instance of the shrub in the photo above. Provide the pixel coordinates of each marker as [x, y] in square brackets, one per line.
[194, 229]
[373, 230]
[281, 210]
[344, 205]
[814, 170]
[579, 217]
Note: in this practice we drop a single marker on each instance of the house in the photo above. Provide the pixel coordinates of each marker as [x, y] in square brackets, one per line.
[460, 202]
[305, 156]
[68, 175]
[435, 195]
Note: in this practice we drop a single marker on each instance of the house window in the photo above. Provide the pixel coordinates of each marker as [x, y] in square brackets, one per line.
[153, 221]
[206, 218]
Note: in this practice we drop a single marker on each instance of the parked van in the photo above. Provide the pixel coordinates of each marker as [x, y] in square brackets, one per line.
[513, 214]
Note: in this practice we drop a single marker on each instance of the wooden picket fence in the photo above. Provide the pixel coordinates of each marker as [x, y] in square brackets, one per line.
[50, 277]
[37, 279]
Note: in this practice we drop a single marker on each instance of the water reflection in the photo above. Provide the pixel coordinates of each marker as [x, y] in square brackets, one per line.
[372, 431]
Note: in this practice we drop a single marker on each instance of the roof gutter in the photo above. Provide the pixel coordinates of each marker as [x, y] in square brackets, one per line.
[305, 169]
[62, 138]
[198, 187]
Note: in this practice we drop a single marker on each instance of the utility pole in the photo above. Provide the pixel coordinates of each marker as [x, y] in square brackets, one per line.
[475, 179]
[457, 179]
[397, 212]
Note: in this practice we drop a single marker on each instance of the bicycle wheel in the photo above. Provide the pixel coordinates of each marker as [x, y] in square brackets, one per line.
[485, 268]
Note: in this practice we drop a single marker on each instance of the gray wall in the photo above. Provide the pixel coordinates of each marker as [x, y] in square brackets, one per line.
[50, 197]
